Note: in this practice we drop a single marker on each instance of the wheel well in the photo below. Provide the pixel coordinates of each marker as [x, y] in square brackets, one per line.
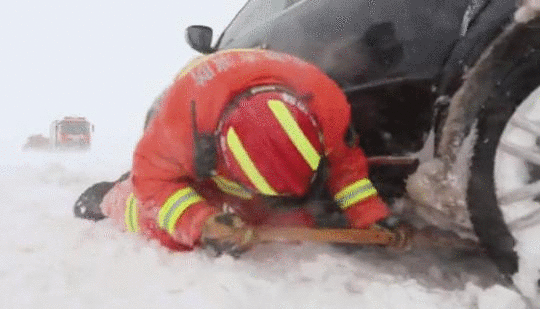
[393, 120]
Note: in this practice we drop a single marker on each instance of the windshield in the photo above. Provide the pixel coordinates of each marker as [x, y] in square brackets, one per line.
[74, 128]
[254, 12]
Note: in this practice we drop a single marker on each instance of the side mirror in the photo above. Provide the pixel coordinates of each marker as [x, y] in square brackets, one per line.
[93, 128]
[200, 38]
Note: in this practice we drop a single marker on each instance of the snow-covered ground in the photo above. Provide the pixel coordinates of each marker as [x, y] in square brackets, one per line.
[49, 259]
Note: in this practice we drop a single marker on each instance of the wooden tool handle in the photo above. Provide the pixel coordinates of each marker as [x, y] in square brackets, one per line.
[424, 238]
[349, 236]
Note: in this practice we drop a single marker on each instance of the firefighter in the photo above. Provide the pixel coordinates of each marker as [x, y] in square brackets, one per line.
[242, 138]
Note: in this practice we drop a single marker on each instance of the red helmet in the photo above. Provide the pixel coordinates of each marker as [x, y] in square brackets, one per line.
[270, 143]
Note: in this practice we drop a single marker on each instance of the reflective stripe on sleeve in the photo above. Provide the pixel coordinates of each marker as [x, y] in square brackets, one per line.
[232, 188]
[131, 216]
[354, 193]
[295, 134]
[247, 165]
[175, 206]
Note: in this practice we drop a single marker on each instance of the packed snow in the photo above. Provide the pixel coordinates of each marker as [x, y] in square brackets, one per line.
[49, 259]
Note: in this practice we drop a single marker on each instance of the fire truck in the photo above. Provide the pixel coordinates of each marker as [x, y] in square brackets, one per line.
[71, 133]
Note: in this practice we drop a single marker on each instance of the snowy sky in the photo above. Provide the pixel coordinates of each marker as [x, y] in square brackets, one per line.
[106, 60]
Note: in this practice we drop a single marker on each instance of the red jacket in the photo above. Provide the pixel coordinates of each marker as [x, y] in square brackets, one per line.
[172, 205]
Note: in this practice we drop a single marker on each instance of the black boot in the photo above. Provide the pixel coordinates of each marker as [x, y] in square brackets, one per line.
[87, 205]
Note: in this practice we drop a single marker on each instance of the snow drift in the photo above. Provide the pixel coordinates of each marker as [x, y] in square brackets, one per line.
[52, 260]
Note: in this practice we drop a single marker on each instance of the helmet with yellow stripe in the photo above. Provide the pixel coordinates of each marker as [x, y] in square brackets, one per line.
[270, 142]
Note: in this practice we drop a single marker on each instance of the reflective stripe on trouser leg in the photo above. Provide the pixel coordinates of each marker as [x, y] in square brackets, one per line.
[295, 134]
[131, 216]
[175, 206]
[355, 192]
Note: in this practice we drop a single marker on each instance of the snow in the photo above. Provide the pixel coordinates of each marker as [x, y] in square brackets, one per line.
[527, 11]
[49, 259]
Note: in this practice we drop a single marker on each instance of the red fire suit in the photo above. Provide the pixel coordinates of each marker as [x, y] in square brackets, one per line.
[163, 198]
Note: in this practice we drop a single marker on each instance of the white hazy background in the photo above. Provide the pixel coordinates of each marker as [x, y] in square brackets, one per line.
[107, 61]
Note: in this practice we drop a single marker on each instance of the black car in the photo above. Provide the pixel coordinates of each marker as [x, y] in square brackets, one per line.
[458, 69]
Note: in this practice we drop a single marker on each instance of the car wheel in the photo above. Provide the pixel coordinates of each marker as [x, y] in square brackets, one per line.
[503, 192]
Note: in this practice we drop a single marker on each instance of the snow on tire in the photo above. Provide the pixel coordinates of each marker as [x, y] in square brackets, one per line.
[505, 170]
[516, 172]
[496, 106]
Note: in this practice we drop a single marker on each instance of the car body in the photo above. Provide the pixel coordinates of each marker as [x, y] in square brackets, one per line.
[464, 70]
[393, 58]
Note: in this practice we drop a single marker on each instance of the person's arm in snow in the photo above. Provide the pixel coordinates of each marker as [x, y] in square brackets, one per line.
[348, 168]
[358, 198]
[352, 189]
[167, 190]
[163, 174]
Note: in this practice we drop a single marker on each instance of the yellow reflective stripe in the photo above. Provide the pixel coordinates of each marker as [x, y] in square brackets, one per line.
[231, 187]
[131, 216]
[297, 137]
[246, 164]
[358, 191]
[175, 206]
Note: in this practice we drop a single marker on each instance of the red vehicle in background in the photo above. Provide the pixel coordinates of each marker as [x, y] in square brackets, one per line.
[37, 142]
[71, 133]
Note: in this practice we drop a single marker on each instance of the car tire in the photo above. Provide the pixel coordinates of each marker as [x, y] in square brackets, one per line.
[512, 87]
